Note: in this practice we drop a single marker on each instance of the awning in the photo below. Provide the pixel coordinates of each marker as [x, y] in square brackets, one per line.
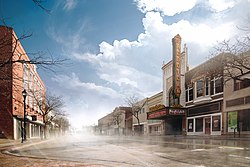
[29, 119]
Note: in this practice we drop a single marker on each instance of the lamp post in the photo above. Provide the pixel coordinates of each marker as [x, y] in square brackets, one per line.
[24, 93]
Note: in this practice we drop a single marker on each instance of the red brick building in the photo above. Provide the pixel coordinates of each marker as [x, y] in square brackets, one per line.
[15, 76]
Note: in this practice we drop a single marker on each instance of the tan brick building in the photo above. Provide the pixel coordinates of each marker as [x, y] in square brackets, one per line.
[15, 76]
[236, 108]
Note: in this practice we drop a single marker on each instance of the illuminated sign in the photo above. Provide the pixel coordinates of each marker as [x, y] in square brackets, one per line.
[176, 41]
[176, 111]
[156, 107]
[157, 114]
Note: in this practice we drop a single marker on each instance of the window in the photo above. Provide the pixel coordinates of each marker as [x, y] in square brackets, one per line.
[25, 76]
[216, 85]
[244, 121]
[199, 125]
[216, 123]
[207, 87]
[199, 88]
[190, 125]
[189, 94]
[241, 84]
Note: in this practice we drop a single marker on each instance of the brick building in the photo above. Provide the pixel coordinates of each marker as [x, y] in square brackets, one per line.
[15, 76]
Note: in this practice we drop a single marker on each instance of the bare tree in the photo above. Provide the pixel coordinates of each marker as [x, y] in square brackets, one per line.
[116, 119]
[136, 107]
[234, 56]
[63, 124]
[49, 105]
[39, 3]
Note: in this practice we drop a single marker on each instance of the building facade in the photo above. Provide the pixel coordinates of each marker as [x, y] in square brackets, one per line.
[16, 76]
[115, 123]
[140, 127]
[172, 110]
[155, 126]
[236, 108]
[204, 99]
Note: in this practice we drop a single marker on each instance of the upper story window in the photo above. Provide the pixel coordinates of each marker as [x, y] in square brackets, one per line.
[199, 88]
[207, 86]
[189, 94]
[216, 85]
[241, 84]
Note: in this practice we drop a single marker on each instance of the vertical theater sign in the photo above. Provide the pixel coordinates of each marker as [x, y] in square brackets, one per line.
[176, 42]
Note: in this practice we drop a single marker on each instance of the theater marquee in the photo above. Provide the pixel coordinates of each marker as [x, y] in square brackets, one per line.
[165, 112]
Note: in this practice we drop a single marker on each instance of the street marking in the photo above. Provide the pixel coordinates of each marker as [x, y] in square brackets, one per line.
[198, 149]
[228, 147]
[236, 156]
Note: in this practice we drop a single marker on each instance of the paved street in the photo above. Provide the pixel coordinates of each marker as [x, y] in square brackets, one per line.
[138, 151]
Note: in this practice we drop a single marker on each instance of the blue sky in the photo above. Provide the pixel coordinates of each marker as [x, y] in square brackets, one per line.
[116, 47]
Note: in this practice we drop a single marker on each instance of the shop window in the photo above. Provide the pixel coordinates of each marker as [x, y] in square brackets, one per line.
[244, 121]
[199, 88]
[216, 123]
[199, 125]
[232, 121]
[190, 125]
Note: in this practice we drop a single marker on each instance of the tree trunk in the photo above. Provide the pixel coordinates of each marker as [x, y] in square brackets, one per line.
[45, 132]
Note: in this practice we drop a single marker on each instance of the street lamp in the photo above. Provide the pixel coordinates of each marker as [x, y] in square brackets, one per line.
[24, 93]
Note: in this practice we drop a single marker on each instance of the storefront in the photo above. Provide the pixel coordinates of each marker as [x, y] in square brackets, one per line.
[174, 119]
[204, 119]
[33, 127]
[238, 121]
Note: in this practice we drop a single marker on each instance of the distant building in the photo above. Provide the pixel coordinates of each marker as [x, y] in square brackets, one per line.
[141, 128]
[155, 126]
[15, 76]
[115, 123]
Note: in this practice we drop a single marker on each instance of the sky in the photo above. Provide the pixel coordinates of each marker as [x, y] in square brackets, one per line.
[116, 48]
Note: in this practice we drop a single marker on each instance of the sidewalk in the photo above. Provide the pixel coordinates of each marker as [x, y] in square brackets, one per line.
[10, 143]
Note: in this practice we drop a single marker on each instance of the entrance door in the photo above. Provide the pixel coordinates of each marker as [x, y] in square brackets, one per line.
[173, 126]
[208, 125]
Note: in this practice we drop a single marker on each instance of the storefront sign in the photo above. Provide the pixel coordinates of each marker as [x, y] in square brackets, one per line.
[176, 111]
[232, 121]
[177, 65]
[157, 114]
[156, 107]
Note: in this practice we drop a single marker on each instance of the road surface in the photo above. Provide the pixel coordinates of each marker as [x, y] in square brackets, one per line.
[142, 151]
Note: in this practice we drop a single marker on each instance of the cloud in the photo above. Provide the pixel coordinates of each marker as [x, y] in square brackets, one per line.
[220, 5]
[167, 7]
[70, 4]
[86, 102]
[74, 84]
[126, 67]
